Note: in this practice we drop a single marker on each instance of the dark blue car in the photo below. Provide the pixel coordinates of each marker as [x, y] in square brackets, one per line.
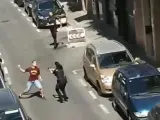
[44, 11]
[136, 90]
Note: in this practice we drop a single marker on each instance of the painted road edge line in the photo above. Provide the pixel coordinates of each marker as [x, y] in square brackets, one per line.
[12, 2]
[15, 5]
[9, 81]
[0, 53]
[33, 25]
[92, 94]
[19, 10]
[28, 19]
[74, 72]
[103, 108]
[23, 14]
[38, 30]
[2, 61]
[5, 70]
[82, 82]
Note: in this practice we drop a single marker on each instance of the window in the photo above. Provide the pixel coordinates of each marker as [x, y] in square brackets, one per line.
[149, 84]
[46, 5]
[114, 59]
[89, 54]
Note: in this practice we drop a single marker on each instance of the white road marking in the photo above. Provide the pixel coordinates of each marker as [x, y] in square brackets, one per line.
[33, 25]
[82, 82]
[92, 94]
[38, 30]
[73, 45]
[23, 14]
[12, 2]
[103, 108]
[74, 72]
[15, 5]
[28, 19]
[9, 81]
[19, 10]
[2, 61]
[0, 53]
[5, 70]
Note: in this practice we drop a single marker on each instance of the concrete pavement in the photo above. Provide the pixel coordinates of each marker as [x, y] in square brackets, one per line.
[20, 43]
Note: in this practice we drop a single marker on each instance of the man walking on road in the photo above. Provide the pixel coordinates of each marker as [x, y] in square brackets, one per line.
[34, 78]
[1, 68]
[61, 81]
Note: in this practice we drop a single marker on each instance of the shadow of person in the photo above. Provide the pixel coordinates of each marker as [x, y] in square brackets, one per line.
[34, 94]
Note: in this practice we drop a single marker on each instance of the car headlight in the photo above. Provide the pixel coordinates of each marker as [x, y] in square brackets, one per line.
[141, 114]
[30, 5]
[106, 79]
[40, 17]
[63, 20]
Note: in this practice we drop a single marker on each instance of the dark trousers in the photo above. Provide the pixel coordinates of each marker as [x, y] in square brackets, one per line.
[60, 88]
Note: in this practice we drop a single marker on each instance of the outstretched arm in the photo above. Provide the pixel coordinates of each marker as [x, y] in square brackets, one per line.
[21, 69]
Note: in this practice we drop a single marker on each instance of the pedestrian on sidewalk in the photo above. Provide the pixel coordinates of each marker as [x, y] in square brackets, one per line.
[61, 81]
[34, 78]
[1, 68]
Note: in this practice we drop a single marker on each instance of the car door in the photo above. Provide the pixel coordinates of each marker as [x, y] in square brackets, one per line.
[123, 92]
[87, 61]
[94, 71]
[34, 10]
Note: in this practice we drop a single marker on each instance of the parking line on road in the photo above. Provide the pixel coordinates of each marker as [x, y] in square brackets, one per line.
[33, 25]
[82, 82]
[9, 81]
[74, 72]
[19, 10]
[15, 5]
[0, 53]
[28, 19]
[92, 94]
[5, 70]
[12, 2]
[23, 14]
[38, 30]
[103, 108]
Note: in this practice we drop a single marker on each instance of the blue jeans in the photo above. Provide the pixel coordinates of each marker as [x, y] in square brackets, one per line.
[37, 83]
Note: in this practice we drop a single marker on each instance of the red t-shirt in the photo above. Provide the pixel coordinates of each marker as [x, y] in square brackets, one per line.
[34, 73]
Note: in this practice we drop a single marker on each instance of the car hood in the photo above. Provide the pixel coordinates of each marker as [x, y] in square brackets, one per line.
[144, 103]
[108, 71]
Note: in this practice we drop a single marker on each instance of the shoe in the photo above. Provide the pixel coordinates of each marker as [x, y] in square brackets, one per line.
[52, 44]
[56, 45]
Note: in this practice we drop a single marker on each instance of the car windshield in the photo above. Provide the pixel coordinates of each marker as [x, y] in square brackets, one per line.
[10, 115]
[46, 5]
[114, 59]
[150, 84]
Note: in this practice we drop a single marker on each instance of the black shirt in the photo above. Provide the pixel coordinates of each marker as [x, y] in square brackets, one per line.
[61, 78]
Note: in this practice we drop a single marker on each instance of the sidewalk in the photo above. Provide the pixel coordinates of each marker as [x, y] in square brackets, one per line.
[99, 31]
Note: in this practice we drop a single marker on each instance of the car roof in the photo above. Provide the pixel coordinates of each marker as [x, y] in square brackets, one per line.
[107, 46]
[138, 70]
[41, 1]
[8, 99]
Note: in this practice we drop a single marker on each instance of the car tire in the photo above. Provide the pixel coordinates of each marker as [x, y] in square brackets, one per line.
[129, 117]
[85, 75]
[15, 1]
[99, 89]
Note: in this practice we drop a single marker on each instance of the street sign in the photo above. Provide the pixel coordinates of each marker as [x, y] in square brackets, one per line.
[76, 35]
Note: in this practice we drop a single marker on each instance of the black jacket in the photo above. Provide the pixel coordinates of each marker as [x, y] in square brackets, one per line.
[61, 78]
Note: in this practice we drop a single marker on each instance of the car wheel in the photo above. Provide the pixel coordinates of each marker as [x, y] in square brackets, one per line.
[114, 104]
[99, 89]
[85, 75]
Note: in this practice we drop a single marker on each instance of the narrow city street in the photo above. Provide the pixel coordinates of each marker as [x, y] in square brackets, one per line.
[21, 42]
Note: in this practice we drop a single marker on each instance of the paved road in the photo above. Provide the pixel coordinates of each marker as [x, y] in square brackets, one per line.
[20, 43]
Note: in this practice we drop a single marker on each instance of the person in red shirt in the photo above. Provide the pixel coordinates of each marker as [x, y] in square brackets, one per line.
[34, 78]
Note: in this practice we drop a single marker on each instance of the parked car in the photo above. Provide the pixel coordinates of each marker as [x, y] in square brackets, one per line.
[10, 106]
[136, 90]
[28, 7]
[101, 59]
[19, 3]
[42, 9]
[3, 82]
[154, 113]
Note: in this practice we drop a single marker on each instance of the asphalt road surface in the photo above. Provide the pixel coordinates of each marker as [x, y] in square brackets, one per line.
[20, 43]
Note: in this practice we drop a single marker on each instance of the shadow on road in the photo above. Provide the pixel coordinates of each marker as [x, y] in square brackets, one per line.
[30, 95]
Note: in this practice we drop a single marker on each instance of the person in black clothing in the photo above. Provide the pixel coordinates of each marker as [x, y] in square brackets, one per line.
[61, 81]
[1, 68]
